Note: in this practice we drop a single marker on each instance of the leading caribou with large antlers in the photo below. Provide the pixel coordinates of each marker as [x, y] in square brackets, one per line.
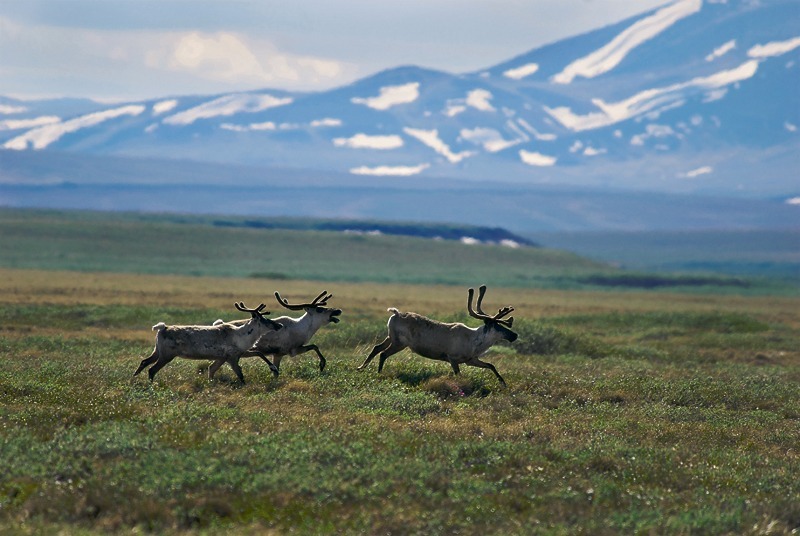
[454, 343]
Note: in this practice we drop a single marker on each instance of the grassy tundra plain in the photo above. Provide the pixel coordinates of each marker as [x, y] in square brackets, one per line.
[626, 411]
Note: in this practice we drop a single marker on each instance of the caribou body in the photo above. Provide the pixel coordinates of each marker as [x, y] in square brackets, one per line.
[296, 334]
[219, 342]
[454, 343]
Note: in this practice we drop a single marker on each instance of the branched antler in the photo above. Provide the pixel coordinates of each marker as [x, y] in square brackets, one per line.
[320, 301]
[257, 311]
[483, 316]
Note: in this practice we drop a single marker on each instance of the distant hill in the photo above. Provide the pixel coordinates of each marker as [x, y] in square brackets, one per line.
[272, 250]
[65, 180]
[469, 234]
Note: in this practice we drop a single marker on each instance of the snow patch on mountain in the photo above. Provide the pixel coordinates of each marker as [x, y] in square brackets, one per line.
[653, 131]
[490, 139]
[164, 106]
[41, 137]
[8, 109]
[271, 125]
[479, 99]
[431, 139]
[721, 50]
[715, 95]
[646, 101]
[774, 48]
[365, 141]
[533, 158]
[397, 171]
[267, 125]
[609, 56]
[704, 170]
[591, 151]
[454, 107]
[326, 122]
[226, 106]
[518, 73]
[535, 133]
[18, 124]
[390, 96]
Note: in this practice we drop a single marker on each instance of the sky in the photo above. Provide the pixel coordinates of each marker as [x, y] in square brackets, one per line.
[116, 50]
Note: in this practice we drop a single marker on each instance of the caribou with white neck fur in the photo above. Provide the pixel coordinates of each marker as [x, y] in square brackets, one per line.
[454, 343]
[293, 339]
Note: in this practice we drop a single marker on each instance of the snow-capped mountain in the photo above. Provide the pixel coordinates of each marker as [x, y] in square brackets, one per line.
[693, 96]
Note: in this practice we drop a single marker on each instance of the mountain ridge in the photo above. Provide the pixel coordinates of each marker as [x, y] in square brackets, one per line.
[689, 98]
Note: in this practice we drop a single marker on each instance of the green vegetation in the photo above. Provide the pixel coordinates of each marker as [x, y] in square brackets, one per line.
[625, 413]
[284, 249]
[189, 246]
[753, 253]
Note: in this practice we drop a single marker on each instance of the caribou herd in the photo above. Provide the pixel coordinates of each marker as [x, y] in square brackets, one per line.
[258, 336]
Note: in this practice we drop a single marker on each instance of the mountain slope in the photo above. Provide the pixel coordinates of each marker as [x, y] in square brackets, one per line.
[694, 96]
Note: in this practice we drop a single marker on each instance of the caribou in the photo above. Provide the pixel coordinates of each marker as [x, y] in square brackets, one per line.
[454, 343]
[219, 342]
[294, 338]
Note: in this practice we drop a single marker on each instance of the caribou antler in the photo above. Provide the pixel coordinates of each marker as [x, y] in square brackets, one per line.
[483, 316]
[320, 300]
[257, 311]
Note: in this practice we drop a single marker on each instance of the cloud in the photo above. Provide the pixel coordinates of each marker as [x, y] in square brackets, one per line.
[222, 56]
[141, 63]
[235, 58]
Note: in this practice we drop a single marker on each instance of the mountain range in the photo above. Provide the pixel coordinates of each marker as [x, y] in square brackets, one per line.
[695, 99]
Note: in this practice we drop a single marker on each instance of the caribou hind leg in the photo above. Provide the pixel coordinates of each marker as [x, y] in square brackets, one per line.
[147, 362]
[375, 351]
[162, 361]
[214, 368]
[393, 349]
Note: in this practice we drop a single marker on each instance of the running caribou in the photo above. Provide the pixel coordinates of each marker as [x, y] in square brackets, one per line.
[220, 342]
[454, 343]
[294, 338]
